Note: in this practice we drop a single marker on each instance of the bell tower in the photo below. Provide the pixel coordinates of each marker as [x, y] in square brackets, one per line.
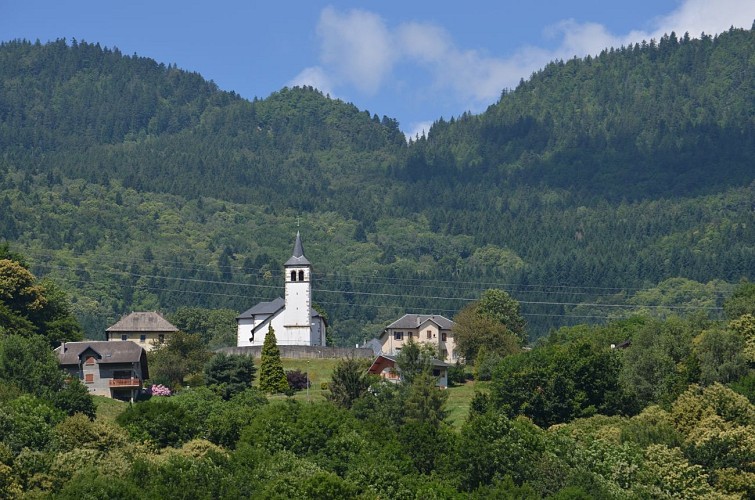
[298, 299]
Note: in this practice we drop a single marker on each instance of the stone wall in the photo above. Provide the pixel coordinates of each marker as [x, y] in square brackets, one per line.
[305, 351]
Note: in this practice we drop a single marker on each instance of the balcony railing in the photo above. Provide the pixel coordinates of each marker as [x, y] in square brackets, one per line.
[125, 382]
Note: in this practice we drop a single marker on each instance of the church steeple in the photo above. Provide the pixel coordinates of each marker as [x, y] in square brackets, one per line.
[298, 288]
[298, 258]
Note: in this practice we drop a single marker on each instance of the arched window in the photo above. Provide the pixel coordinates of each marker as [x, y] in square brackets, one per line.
[293, 275]
[301, 275]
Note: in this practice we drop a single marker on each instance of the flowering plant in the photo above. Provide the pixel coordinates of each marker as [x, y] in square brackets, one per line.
[159, 390]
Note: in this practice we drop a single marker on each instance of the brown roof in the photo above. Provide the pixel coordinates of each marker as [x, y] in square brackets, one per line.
[143, 322]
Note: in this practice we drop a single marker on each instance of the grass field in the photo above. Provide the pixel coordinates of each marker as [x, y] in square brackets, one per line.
[459, 397]
[108, 409]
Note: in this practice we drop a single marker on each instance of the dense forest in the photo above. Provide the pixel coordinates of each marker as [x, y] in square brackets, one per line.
[598, 188]
[669, 415]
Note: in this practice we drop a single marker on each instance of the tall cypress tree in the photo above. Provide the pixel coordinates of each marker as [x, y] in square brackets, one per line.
[272, 377]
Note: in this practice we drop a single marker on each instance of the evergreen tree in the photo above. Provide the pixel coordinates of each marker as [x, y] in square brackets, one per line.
[272, 377]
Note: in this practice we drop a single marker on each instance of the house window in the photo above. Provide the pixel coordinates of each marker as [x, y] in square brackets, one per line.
[429, 334]
[90, 360]
[436, 372]
[142, 338]
[161, 338]
[301, 275]
[124, 336]
[411, 335]
[443, 336]
[398, 335]
[89, 378]
[293, 275]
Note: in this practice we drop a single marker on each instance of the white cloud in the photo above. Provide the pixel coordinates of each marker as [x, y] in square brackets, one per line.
[418, 130]
[698, 16]
[358, 49]
[314, 76]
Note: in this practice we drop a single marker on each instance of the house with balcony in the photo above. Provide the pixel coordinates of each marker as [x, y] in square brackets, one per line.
[112, 369]
[433, 329]
[148, 329]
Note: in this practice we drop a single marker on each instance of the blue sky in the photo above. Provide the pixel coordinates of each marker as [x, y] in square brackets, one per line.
[413, 61]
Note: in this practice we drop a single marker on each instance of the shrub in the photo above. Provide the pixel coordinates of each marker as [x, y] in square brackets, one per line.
[457, 374]
[297, 380]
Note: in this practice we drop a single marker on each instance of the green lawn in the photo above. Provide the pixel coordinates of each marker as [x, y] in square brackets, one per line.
[108, 409]
[459, 398]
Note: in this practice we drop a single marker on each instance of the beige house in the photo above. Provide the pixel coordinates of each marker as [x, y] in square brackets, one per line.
[112, 369]
[435, 330]
[147, 329]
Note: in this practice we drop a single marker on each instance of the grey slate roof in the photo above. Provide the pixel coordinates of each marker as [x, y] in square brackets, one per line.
[268, 309]
[298, 258]
[411, 321]
[263, 308]
[108, 352]
[143, 322]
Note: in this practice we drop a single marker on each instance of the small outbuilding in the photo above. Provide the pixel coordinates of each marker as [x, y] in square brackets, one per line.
[385, 366]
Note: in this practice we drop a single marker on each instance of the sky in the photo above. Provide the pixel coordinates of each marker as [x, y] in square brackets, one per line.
[412, 61]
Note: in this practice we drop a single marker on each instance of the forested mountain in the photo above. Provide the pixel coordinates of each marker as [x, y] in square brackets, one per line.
[582, 192]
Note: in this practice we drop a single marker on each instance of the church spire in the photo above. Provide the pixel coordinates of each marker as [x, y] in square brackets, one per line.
[298, 258]
[298, 248]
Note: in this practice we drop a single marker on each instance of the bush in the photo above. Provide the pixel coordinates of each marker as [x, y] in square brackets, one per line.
[457, 374]
[159, 420]
[297, 380]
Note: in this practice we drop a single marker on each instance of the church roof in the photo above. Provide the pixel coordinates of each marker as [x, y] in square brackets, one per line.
[143, 322]
[268, 309]
[263, 308]
[410, 321]
[298, 258]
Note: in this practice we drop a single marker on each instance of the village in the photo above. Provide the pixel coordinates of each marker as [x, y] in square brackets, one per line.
[117, 367]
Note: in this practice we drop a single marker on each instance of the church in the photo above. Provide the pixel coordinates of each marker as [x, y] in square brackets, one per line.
[292, 317]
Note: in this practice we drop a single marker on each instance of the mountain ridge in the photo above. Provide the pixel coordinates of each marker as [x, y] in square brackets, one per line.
[518, 196]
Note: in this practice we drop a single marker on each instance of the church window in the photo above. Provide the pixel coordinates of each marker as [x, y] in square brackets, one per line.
[301, 275]
[293, 275]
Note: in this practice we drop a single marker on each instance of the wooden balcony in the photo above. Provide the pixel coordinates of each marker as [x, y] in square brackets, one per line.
[125, 382]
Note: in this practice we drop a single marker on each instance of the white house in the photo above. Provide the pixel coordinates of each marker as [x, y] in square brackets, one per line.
[293, 319]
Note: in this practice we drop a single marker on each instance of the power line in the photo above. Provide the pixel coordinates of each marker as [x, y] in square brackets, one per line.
[367, 294]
